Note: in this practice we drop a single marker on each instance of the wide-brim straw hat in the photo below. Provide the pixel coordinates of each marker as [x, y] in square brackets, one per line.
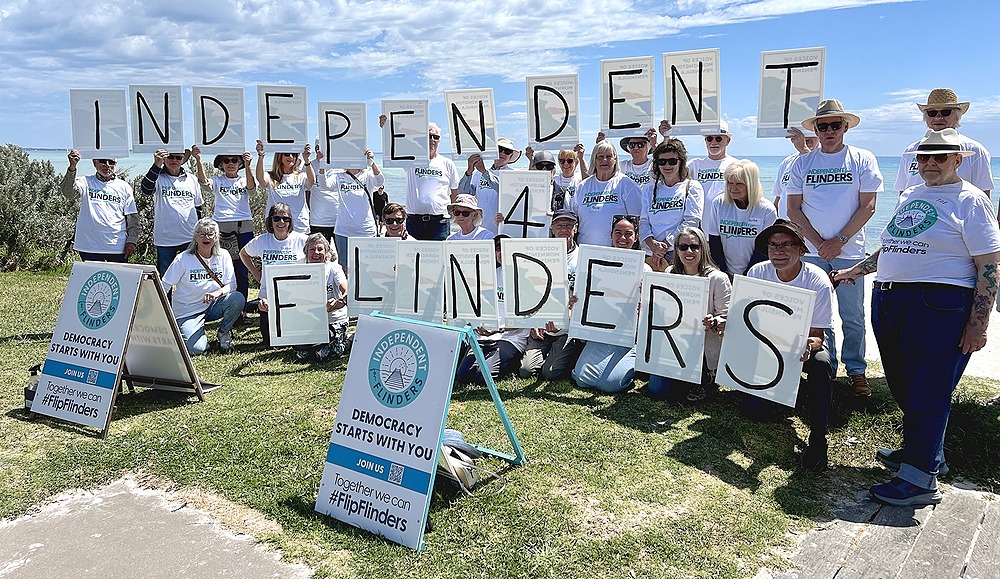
[509, 144]
[217, 162]
[943, 98]
[831, 108]
[467, 201]
[943, 141]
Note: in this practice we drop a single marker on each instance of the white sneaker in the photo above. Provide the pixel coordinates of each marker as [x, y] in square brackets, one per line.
[225, 339]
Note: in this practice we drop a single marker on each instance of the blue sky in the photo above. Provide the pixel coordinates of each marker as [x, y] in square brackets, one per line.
[881, 56]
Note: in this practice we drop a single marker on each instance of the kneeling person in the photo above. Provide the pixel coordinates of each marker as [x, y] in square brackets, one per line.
[317, 250]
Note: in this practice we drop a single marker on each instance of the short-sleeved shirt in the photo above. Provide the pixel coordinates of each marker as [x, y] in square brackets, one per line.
[100, 224]
[975, 168]
[641, 174]
[191, 281]
[334, 278]
[712, 176]
[666, 209]
[291, 190]
[781, 183]
[175, 203]
[811, 277]
[232, 199]
[738, 228]
[428, 189]
[272, 251]
[597, 202]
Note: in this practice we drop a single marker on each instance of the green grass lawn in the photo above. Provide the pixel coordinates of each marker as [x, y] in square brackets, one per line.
[615, 486]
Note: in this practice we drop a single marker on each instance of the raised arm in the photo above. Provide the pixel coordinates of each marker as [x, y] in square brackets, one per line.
[67, 186]
[262, 177]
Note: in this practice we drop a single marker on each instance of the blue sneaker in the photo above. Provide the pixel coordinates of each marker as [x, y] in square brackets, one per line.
[902, 493]
[892, 458]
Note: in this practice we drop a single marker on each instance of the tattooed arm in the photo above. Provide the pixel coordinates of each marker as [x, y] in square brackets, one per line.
[974, 335]
[863, 267]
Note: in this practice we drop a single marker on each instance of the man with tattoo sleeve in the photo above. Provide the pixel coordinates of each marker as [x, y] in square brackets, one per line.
[935, 286]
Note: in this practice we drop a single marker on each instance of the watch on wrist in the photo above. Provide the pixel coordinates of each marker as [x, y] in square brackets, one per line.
[842, 238]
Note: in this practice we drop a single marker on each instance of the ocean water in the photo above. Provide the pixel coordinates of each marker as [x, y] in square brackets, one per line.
[395, 180]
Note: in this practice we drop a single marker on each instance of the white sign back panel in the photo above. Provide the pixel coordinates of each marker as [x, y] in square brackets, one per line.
[296, 296]
[371, 263]
[472, 122]
[419, 289]
[791, 86]
[343, 134]
[524, 202]
[471, 283]
[626, 96]
[534, 277]
[282, 117]
[219, 120]
[99, 118]
[553, 111]
[404, 136]
[671, 340]
[607, 284]
[692, 91]
[157, 118]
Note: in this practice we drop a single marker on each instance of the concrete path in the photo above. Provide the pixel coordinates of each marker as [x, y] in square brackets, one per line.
[124, 530]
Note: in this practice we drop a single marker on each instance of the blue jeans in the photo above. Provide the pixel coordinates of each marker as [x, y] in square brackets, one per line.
[501, 356]
[227, 308]
[341, 243]
[605, 367]
[435, 228]
[663, 388]
[851, 305]
[165, 255]
[918, 332]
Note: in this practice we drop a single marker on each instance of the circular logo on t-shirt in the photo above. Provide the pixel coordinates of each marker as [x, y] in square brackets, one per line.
[912, 219]
[98, 299]
[397, 370]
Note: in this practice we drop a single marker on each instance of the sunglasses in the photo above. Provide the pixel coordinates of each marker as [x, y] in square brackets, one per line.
[434, 137]
[786, 246]
[459, 213]
[230, 159]
[281, 219]
[394, 220]
[291, 155]
[835, 126]
[176, 157]
[716, 138]
[667, 161]
[505, 151]
[689, 247]
[938, 158]
[935, 112]
[545, 166]
[207, 235]
[567, 161]
[637, 144]
[110, 162]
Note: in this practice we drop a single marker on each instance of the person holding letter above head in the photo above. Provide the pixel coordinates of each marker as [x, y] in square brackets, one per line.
[943, 111]
[231, 191]
[571, 170]
[543, 161]
[691, 258]
[831, 195]
[670, 202]
[639, 166]
[710, 170]
[204, 289]
[784, 245]
[107, 225]
[177, 204]
[606, 193]
[803, 144]
[429, 190]
[394, 217]
[607, 367]
[279, 245]
[355, 207]
[317, 250]
[935, 285]
[740, 214]
[288, 182]
[484, 184]
[550, 351]
[466, 214]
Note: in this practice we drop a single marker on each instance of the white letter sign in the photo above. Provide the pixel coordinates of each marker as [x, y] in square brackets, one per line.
[553, 111]
[371, 263]
[472, 122]
[297, 304]
[219, 120]
[607, 284]
[404, 136]
[671, 340]
[626, 96]
[791, 86]
[100, 122]
[534, 278]
[282, 117]
[524, 203]
[471, 288]
[343, 134]
[420, 280]
[157, 119]
[691, 91]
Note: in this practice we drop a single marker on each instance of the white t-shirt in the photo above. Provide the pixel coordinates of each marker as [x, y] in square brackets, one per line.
[781, 182]
[232, 200]
[175, 200]
[671, 209]
[355, 205]
[934, 234]
[811, 277]
[480, 233]
[272, 251]
[711, 175]
[738, 229]
[100, 224]
[488, 197]
[568, 186]
[975, 168]
[597, 202]
[428, 189]
[291, 190]
[334, 277]
[641, 174]
[191, 281]
[829, 184]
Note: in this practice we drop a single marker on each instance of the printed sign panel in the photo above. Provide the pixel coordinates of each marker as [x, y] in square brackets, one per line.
[692, 92]
[553, 111]
[766, 333]
[626, 96]
[100, 122]
[791, 86]
[371, 263]
[472, 122]
[534, 278]
[524, 203]
[382, 457]
[404, 136]
[671, 340]
[419, 289]
[282, 117]
[343, 134]
[157, 118]
[471, 284]
[219, 120]
[297, 304]
[607, 284]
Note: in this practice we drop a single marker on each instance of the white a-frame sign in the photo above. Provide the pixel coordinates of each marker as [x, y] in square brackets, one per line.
[114, 324]
[383, 453]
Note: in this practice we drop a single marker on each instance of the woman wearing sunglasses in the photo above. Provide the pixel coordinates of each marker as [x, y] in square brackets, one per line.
[288, 181]
[231, 190]
[670, 202]
[691, 257]
[279, 245]
[466, 214]
[176, 202]
[351, 209]
[394, 218]
[484, 184]
[740, 214]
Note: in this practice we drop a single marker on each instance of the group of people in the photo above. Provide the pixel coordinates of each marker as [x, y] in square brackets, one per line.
[707, 217]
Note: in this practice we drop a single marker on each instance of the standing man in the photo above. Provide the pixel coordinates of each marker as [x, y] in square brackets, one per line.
[107, 225]
[943, 111]
[429, 190]
[177, 203]
[803, 145]
[710, 171]
[831, 195]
